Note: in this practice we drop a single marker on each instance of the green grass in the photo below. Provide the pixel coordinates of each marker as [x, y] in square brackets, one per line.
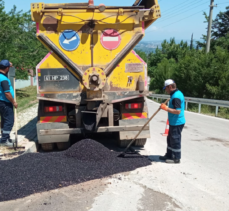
[26, 97]
[205, 109]
[209, 110]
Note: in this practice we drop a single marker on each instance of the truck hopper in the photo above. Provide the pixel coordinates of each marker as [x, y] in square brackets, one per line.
[92, 81]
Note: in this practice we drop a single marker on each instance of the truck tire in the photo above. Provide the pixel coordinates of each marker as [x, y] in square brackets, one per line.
[63, 145]
[47, 147]
[140, 142]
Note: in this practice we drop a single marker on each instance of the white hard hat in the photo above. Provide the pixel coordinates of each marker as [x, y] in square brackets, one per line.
[168, 82]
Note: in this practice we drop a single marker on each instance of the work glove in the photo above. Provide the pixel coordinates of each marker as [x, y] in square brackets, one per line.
[164, 107]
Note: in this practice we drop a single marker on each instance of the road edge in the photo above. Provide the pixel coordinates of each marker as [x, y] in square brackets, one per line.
[212, 117]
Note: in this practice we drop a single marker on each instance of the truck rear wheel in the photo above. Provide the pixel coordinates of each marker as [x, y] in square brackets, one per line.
[47, 147]
[63, 145]
[140, 142]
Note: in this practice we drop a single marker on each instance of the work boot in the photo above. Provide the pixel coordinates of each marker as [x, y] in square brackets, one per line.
[7, 143]
[165, 157]
[172, 161]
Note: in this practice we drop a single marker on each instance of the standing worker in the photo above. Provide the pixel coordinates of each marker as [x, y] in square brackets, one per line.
[6, 103]
[176, 122]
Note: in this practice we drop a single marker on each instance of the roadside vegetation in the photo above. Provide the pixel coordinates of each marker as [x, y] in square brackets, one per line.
[18, 41]
[209, 110]
[196, 73]
[26, 97]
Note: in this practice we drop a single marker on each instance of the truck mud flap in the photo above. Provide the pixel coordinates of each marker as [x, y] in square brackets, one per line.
[44, 139]
[127, 135]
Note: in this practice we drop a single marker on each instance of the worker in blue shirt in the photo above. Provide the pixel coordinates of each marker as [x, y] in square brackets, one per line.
[176, 122]
[6, 103]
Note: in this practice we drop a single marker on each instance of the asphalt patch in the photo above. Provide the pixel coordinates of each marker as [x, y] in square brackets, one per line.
[84, 161]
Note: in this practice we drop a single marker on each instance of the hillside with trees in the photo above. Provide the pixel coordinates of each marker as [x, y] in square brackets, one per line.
[196, 73]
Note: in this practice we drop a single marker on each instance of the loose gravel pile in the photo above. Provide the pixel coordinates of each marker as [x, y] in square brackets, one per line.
[34, 173]
[89, 150]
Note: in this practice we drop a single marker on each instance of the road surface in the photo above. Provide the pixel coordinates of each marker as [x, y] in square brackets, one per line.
[199, 183]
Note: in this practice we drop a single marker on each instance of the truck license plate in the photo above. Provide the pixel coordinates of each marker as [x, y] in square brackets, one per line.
[56, 78]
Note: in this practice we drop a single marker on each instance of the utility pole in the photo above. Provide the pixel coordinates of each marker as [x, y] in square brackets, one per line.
[209, 27]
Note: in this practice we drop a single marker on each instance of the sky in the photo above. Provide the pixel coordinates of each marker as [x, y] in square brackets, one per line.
[180, 18]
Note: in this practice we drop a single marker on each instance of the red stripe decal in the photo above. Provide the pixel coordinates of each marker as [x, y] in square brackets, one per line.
[60, 118]
[128, 116]
[140, 115]
[47, 119]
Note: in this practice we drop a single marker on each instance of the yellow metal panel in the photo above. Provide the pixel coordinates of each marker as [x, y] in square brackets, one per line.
[51, 62]
[128, 23]
[82, 55]
[119, 78]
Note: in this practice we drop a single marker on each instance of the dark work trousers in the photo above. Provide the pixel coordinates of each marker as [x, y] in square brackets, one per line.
[174, 142]
[7, 119]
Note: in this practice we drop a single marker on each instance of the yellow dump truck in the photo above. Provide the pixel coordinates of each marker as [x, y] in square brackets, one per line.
[92, 81]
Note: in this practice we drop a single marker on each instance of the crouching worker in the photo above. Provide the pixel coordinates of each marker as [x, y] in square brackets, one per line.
[6, 103]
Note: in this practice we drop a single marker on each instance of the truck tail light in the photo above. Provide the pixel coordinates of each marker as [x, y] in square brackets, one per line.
[133, 105]
[53, 109]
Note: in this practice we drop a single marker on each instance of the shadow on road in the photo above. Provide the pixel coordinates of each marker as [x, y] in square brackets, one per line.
[155, 158]
[29, 130]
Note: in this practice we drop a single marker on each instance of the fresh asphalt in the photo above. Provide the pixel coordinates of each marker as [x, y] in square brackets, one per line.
[200, 182]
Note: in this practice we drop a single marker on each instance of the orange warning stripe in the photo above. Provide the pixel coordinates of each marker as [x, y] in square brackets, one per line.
[48, 119]
[134, 116]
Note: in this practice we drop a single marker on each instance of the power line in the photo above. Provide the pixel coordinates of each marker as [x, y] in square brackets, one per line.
[175, 6]
[223, 3]
[172, 16]
[182, 12]
[183, 18]
[178, 8]
[178, 20]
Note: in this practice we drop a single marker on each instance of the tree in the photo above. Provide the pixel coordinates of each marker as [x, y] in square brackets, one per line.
[220, 29]
[220, 26]
[163, 71]
[18, 41]
[142, 54]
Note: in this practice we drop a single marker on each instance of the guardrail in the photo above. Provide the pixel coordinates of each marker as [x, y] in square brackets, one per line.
[200, 101]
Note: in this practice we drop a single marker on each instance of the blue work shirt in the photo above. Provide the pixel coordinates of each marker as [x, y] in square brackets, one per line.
[177, 102]
[5, 86]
